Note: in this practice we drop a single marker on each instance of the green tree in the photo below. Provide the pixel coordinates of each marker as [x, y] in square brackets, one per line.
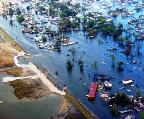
[142, 114]
[18, 11]
[52, 11]
[11, 22]
[113, 109]
[137, 95]
[69, 65]
[10, 11]
[113, 60]
[20, 18]
[120, 63]
[120, 99]
[91, 23]
[65, 25]
[28, 8]
[92, 32]
[57, 45]
[81, 65]
[44, 39]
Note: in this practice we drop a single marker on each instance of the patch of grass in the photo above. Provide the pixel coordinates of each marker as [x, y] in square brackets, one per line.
[15, 71]
[9, 39]
[29, 88]
[142, 115]
[74, 116]
[6, 59]
[80, 107]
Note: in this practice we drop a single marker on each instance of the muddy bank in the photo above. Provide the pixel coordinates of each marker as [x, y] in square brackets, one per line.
[28, 88]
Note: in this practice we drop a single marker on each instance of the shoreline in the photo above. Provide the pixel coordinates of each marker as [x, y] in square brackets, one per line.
[38, 74]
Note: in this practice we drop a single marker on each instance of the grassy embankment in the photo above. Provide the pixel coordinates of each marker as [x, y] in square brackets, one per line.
[87, 114]
[8, 47]
[10, 40]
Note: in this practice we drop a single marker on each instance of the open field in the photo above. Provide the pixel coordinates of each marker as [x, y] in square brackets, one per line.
[5, 59]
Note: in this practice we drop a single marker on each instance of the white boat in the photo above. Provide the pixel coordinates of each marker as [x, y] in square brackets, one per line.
[69, 43]
[130, 117]
[126, 82]
[107, 84]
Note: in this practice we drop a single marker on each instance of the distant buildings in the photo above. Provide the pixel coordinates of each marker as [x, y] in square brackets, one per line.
[3, 5]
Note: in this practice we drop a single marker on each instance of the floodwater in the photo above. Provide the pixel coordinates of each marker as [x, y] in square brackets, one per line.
[13, 108]
[89, 51]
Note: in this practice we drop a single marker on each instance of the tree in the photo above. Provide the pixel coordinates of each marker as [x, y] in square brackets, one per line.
[120, 99]
[20, 18]
[139, 46]
[120, 63]
[113, 109]
[142, 115]
[10, 4]
[120, 27]
[66, 12]
[28, 8]
[127, 50]
[65, 25]
[91, 23]
[44, 39]
[41, 8]
[73, 51]
[69, 65]
[52, 11]
[18, 11]
[92, 32]
[58, 45]
[113, 60]
[80, 65]
[109, 30]
[137, 95]
[10, 12]
[11, 22]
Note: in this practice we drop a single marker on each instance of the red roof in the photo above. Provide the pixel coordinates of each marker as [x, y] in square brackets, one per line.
[93, 89]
